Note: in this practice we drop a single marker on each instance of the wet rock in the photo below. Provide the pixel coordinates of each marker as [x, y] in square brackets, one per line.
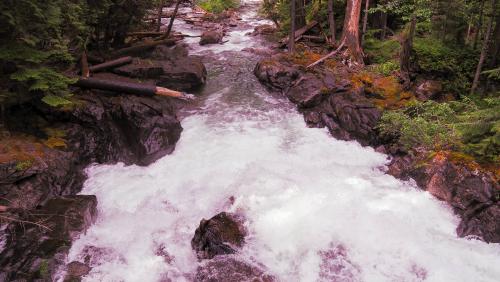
[211, 37]
[472, 194]
[177, 72]
[222, 234]
[336, 266]
[276, 75]
[429, 90]
[75, 271]
[229, 268]
[38, 246]
[264, 29]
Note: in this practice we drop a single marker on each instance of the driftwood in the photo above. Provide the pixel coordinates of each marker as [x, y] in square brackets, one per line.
[327, 56]
[142, 34]
[314, 38]
[298, 33]
[141, 47]
[111, 64]
[129, 88]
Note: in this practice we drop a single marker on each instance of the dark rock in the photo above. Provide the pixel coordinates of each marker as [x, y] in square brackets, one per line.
[336, 266]
[222, 234]
[75, 271]
[472, 194]
[228, 268]
[176, 72]
[36, 251]
[211, 37]
[276, 75]
[429, 89]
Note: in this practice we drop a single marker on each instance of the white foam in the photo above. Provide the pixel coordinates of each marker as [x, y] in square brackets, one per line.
[302, 192]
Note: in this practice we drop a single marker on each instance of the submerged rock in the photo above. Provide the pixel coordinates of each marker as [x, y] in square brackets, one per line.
[229, 268]
[222, 234]
[211, 37]
[264, 29]
[39, 242]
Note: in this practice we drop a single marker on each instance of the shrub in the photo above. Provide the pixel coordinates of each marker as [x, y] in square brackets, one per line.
[218, 6]
[471, 127]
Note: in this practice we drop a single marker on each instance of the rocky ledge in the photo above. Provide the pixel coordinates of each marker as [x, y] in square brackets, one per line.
[42, 160]
[350, 106]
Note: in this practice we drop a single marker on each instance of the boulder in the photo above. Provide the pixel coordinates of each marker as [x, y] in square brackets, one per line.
[222, 234]
[229, 268]
[38, 244]
[75, 270]
[275, 74]
[264, 29]
[211, 37]
[429, 90]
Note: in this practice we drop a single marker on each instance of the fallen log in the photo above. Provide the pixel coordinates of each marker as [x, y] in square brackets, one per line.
[314, 38]
[111, 64]
[142, 34]
[327, 56]
[298, 34]
[141, 48]
[130, 88]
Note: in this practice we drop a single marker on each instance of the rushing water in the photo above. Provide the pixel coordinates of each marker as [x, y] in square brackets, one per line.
[302, 192]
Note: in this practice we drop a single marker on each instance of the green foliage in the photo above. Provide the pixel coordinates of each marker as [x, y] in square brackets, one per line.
[493, 74]
[471, 127]
[218, 6]
[455, 65]
[386, 68]
[56, 101]
[381, 51]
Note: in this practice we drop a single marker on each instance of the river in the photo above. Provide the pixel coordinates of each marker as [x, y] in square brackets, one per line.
[303, 194]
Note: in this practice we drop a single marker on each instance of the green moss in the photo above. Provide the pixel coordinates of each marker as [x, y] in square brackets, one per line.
[23, 165]
[382, 51]
[44, 269]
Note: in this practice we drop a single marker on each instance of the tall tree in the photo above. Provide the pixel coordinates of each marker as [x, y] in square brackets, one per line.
[365, 20]
[291, 38]
[479, 25]
[484, 50]
[171, 23]
[350, 32]
[331, 20]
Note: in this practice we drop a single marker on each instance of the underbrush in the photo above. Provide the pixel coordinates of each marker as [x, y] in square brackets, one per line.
[468, 127]
[218, 6]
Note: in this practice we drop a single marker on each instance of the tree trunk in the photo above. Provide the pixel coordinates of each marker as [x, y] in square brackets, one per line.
[384, 26]
[495, 47]
[406, 52]
[138, 49]
[160, 13]
[127, 87]
[300, 12]
[291, 37]
[85, 65]
[350, 33]
[479, 25]
[484, 50]
[331, 21]
[171, 23]
[110, 64]
[365, 21]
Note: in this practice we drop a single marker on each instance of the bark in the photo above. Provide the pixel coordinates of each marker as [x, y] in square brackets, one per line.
[365, 20]
[171, 23]
[406, 52]
[331, 20]
[128, 88]
[137, 49]
[384, 26]
[85, 65]
[495, 47]
[479, 25]
[484, 50]
[291, 37]
[111, 64]
[160, 13]
[300, 14]
[350, 33]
